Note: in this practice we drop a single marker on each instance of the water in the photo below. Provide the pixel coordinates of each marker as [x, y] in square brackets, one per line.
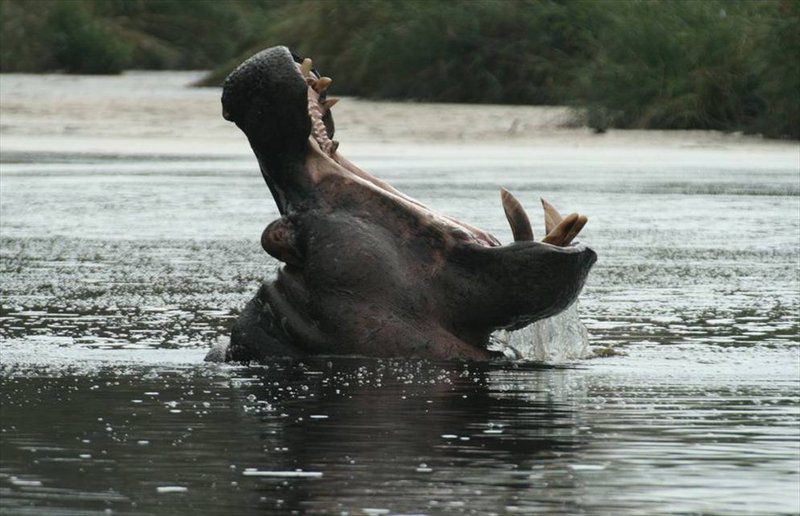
[119, 269]
[557, 340]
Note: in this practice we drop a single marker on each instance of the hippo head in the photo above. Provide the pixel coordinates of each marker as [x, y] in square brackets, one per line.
[366, 269]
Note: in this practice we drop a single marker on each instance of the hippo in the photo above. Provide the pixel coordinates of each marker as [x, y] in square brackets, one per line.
[367, 270]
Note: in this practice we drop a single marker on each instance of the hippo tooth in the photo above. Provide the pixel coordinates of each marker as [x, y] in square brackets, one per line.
[305, 68]
[322, 84]
[575, 229]
[329, 103]
[334, 146]
[559, 234]
[517, 218]
[551, 217]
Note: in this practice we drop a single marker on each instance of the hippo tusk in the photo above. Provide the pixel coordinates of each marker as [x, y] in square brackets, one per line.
[551, 217]
[517, 218]
[566, 230]
[561, 231]
[328, 104]
[558, 235]
[576, 228]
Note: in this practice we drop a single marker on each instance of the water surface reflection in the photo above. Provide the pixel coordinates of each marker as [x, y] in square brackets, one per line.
[332, 434]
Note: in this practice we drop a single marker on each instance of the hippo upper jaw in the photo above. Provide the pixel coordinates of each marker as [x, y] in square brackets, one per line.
[267, 98]
[368, 270]
[282, 107]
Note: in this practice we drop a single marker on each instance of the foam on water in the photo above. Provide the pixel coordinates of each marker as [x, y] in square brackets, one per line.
[560, 339]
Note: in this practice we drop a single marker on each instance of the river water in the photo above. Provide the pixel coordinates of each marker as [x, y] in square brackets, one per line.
[120, 268]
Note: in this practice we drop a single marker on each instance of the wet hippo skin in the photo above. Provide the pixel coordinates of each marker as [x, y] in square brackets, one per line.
[366, 269]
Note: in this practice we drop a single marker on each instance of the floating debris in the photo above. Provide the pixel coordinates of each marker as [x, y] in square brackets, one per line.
[252, 472]
[172, 489]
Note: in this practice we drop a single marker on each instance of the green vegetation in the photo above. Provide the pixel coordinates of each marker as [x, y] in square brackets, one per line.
[730, 65]
[696, 65]
[107, 36]
[489, 51]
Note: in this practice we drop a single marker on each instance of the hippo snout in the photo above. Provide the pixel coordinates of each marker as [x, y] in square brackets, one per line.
[585, 256]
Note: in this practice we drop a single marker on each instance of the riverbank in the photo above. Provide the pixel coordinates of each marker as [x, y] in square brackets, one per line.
[159, 113]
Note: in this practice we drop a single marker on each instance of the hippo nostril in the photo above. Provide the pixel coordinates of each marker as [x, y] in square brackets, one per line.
[282, 236]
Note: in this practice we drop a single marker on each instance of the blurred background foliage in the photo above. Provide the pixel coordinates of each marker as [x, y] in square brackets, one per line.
[730, 65]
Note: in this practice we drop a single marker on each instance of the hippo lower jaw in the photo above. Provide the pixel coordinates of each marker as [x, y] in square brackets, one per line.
[368, 270]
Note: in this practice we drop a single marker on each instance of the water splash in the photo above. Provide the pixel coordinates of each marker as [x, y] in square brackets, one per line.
[556, 340]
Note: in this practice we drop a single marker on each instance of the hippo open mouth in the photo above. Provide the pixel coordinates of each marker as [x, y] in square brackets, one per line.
[368, 270]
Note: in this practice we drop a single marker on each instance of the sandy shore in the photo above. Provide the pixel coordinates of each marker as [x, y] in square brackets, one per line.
[160, 113]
